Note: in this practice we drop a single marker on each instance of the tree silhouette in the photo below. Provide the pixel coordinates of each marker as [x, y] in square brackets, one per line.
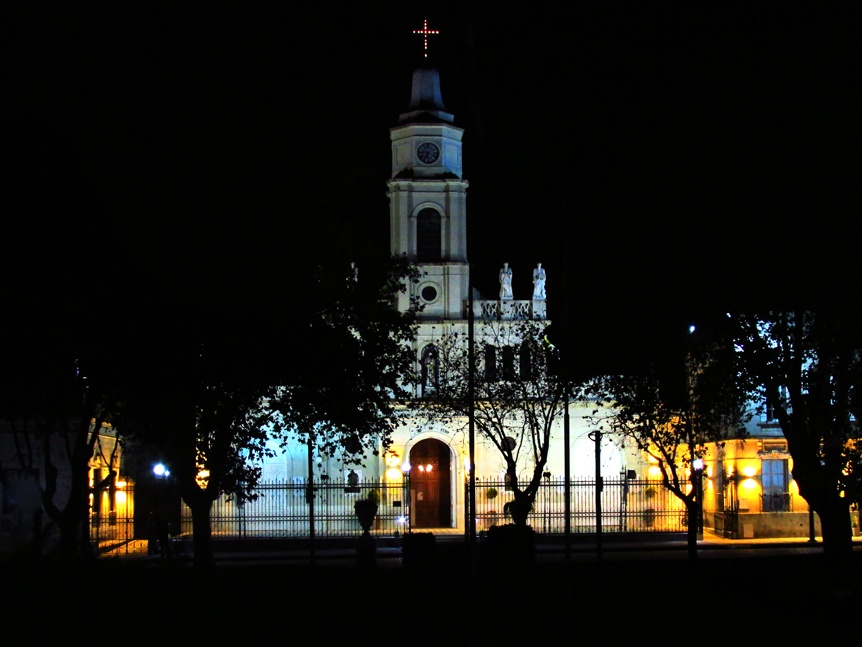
[806, 365]
[331, 377]
[514, 401]
[674, 424]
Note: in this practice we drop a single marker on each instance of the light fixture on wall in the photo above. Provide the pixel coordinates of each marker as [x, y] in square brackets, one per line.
[392, 458]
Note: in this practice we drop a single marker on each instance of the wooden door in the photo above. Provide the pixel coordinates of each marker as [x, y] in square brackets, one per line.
[430, 493]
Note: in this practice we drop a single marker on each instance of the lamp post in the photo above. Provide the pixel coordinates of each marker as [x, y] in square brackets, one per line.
[811, 537]
[405, 470]
[160, 531]
[596, 436]
[567, 474]
[697, 465]
[471, 363]
[309, 500]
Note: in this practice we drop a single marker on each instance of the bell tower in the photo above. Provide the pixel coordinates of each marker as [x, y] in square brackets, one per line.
[427, 199]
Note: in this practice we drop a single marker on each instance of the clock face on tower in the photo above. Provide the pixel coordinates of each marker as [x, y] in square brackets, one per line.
[427, 153]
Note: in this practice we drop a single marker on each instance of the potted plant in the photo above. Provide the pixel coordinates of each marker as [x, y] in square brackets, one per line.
[366, 550]
[649, 517]
[649, 513]
[518, 510]
[491, 494]
[374, 495]
[366, 510]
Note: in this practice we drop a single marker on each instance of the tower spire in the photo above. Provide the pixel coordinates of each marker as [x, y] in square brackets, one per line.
[426, 101]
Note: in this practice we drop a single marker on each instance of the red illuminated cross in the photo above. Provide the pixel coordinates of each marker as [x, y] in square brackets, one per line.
[425, 33]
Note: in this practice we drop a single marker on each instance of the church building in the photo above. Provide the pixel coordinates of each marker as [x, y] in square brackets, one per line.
[428, 223]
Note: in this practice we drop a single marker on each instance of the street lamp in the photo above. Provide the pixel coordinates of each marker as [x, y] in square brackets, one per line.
[697, 465]
[158, 525]
[596, 437]
[405, 470]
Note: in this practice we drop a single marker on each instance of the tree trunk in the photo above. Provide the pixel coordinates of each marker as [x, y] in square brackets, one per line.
[200, 504]
[837, 533]
[73, 521]
[833, 510]
[692, 510]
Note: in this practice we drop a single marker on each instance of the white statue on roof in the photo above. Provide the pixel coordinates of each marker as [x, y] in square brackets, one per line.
[506, 282]
[539, 277]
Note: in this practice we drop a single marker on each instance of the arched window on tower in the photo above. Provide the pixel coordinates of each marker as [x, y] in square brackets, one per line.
[428, 236]
[430, 369]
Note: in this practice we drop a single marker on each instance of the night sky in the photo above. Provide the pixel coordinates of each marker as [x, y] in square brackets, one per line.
[170, 160]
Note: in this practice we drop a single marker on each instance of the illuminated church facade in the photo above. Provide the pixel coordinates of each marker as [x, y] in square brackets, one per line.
[428, 223]
[427, 195]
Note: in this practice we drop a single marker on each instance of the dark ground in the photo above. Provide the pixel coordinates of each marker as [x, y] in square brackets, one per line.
[639, 600]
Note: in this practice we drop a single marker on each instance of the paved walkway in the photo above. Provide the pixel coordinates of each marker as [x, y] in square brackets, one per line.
[326, 550]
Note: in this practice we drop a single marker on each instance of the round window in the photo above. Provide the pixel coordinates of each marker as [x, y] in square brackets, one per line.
[429, 293]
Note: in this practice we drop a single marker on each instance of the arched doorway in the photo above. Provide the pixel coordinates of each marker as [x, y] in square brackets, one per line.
[430, 492]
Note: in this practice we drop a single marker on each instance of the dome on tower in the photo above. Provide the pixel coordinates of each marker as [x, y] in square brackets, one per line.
[426, 101]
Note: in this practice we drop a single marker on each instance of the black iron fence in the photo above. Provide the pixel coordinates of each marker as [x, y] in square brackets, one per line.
[282, 509]
[776, 502]
[623, 505]
[727, 524]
